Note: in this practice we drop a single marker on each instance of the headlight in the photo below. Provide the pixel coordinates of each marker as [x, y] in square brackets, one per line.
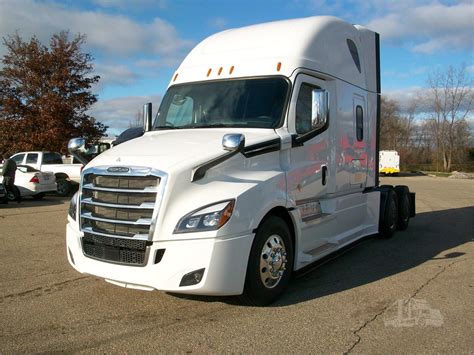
[210, 217]
[73, 206]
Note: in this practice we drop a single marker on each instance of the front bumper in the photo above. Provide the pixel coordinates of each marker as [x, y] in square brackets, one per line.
[224, 259]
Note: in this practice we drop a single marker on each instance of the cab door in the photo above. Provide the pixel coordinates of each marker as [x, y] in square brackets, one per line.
[310, 170]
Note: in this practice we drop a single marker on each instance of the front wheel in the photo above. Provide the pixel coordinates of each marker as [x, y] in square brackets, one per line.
[270, 263]
[63, 187]
[10, 196]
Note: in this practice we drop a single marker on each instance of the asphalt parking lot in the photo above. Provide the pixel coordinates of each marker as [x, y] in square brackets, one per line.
[410, 294]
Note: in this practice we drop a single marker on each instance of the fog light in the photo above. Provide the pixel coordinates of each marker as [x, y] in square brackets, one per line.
[192, 278]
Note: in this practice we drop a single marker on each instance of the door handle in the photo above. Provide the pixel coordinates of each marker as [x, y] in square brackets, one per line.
[325, 174]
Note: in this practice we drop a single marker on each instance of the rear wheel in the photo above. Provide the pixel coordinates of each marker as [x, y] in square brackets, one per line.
[63, 187]
[389, 218]
[270, 263]
[10, 196]
[403, 194]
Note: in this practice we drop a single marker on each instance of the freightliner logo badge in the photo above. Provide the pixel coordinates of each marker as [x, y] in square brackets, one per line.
[118, 169]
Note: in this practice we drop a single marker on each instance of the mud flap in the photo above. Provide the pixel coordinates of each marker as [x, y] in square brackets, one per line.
[412, 205]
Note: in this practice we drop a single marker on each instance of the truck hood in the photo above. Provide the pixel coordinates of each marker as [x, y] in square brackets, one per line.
[167, 149]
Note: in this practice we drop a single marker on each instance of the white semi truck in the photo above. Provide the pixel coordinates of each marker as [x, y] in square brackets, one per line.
[262, 160]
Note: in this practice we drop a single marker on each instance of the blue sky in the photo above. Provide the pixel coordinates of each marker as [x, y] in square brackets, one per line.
[138, 44]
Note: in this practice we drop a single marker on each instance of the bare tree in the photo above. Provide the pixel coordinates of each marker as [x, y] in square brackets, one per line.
[137, 121]
[451, 103]
[395, 127]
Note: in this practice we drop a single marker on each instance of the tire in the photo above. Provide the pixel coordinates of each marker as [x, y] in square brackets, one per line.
[262, 286]
[38, 196]
[10, 196]
[403, 195]
[63, 187]
[389, 219]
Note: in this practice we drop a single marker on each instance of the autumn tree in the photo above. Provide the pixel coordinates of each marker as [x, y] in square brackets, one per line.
[451, 102]
[45, 94]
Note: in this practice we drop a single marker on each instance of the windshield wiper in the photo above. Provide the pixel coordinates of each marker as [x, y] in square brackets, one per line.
[166, 127]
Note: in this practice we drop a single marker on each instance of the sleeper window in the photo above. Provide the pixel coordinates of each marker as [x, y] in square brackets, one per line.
[359, 123]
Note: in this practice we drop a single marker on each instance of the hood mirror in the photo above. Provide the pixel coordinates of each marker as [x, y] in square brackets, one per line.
[77, 147]
[233, 142]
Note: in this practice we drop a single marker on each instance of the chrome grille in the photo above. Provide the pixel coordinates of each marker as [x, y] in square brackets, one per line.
[117, 210]
[116, 250]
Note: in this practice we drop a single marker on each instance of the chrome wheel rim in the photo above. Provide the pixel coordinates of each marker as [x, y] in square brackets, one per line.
[273, 261]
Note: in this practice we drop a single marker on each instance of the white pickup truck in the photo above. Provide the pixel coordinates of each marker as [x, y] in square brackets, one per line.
[51, 161]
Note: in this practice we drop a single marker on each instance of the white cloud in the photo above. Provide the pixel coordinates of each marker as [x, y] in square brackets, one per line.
[407, 96]
[112, 74]
[218, 23]
[127, 4]
[425, 26]
[109, 33]
[118, 113]
[430, 27]
[424, 99]
[410, 73]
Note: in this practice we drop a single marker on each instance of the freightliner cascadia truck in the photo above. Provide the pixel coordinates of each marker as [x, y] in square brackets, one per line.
[262, 159]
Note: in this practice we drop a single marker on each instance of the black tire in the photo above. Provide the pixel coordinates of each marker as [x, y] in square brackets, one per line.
[258, 292]
[389, 218]
[63, 187]
[10, 196]
[38, 196]
[403, 195]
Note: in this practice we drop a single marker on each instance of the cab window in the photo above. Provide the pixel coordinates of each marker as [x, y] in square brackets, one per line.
[52, 158]
[18, 159]
[32, 158]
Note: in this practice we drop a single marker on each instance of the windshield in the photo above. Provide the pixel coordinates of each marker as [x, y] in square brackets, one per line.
[250, 103]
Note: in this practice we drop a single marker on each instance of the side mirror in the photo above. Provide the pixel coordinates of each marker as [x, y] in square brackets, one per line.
[147, 120]
[233, 142]
[319, 108]
[77, 147]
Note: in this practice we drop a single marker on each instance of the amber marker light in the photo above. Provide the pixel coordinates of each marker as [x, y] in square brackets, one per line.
[231, 70]
[175, 77]
[227, 213]
[278, 66]
[209, 71]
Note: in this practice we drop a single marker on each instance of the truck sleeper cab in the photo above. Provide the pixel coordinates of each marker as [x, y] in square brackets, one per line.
[262, 159]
